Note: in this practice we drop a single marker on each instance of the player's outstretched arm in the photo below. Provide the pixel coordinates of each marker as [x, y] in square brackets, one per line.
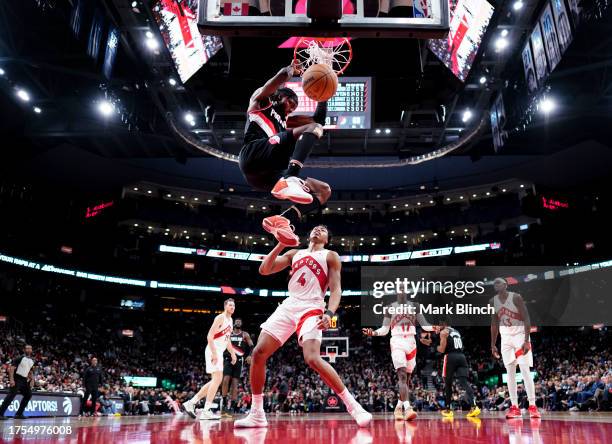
[382, 331]
[334, 268]
[273, 84]
[273, 263]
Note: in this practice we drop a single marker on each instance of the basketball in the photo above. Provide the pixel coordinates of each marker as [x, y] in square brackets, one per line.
[320, 82]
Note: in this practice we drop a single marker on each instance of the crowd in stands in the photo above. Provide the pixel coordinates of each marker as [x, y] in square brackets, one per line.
[574, 367]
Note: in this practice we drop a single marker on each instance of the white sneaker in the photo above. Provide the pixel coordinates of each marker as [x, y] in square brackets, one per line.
[189, 408]
[292, 188]
[255, 418]
[398, 413]
[361, 416]
[208, 414]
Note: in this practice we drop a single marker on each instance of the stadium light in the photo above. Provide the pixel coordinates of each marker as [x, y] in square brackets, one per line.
[547, 105]
[504, 33]
[106, 108]
[467, 115]
[189, 118]
[518, 5]
[149, 34]
[37, 110]
[501, 43]
[483, 80]
[2, 72]
[378, 130]
[23, 95]
[387, 131]
[172, 81]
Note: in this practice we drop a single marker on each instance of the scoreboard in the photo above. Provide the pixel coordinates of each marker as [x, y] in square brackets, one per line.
[350, 108]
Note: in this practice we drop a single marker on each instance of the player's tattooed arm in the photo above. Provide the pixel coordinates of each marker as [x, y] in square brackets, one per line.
[273, 263]
[443, 338]
[273, 84]
[494, 333]
[520, 304]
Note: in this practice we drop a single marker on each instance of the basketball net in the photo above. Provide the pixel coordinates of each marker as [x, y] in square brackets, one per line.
[334, 52]
[332, 357]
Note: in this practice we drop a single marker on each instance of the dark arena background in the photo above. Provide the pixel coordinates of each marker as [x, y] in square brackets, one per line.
[464, 134]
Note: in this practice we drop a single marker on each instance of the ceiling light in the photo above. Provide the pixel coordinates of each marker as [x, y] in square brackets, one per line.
[149, 191]
[387, 131]
[504, 32]
[23, 95]
[2, 72]
[37, 110]
[483, 80]
[168, 195]
[501, 43]
[135, 188]
[196, 198]
[106, 108]
[467, 115]
[152, 44]
[518, 5]
[547, 105]
[172, 82]
[377, 130]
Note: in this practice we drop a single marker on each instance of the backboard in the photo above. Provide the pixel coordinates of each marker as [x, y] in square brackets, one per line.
[361, 18]
[334, 347]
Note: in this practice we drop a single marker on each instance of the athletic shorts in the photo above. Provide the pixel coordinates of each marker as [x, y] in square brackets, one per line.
[403, 352]
[235, 370]
[218, 367]
[511, 350]
[295, 316]
[455, 365]
[264, 161]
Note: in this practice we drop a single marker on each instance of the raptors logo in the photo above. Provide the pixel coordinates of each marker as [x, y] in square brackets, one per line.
[332, 401]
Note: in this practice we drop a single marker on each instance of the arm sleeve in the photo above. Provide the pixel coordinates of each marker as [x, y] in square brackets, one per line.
[382, 331]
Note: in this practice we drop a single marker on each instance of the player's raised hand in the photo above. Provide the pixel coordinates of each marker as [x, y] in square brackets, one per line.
[295, 69]
[368, 332]
[495, 352]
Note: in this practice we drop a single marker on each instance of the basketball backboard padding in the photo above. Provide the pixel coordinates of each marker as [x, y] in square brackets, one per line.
[283, 21]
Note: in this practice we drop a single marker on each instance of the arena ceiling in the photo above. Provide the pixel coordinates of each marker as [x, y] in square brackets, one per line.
[68, 139]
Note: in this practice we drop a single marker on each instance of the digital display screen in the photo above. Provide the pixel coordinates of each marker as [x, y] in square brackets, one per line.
[140, 381]
[349, 108]
[132, 304]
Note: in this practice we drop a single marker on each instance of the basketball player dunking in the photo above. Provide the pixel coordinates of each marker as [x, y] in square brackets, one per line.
[242, 345]
[218, 341]
[511, 320]
[313, 271]
[273, 156]
[403, 350]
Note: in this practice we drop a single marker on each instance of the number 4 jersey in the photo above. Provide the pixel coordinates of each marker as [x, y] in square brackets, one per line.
[309, 279]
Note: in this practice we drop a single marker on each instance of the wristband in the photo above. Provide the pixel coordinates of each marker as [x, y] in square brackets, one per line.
[329, 313]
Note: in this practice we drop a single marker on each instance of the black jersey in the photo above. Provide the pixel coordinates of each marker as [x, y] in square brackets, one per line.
[454, 343]
[265, 122]
[241, 347]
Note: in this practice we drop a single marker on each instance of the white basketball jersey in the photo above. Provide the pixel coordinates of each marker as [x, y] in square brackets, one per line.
[510, 320]
[309, 275]
[402, 324]
[222, 336]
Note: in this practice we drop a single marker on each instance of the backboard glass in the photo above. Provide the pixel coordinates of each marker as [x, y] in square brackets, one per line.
[361, 18]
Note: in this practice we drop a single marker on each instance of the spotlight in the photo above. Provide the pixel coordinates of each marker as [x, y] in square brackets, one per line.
[387, 131]
[501, 43]
[547, 105]
[467, 115]
[106, 108]
[37, 110]
[135, 188]
[23, 95]
[152, 44]
[168, 195]
[504, 33]
[2, 72]
[233, 132]
[190, 119]
[518, 5]
[377, 130]
[483, 80]
[149, 34]
[172, 82]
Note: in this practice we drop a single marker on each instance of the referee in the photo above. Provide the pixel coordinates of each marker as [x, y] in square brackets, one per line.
[455, 366]
[21, 381]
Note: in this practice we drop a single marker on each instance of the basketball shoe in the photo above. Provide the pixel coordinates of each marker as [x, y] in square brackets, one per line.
[292, 188]
[447, 413]
[514, 412]
[474, 412]
[534, 412]
[398, 413]
[280, 228]
[360, 415]
[189, 408]
[207, 414]
[255, 418]
[409, 414]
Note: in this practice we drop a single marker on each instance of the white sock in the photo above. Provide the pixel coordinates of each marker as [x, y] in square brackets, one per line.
[399, 403]
[406, 404]
[528, 381]
[207, 405]
[257, 403]
[348, 400]
[511, 369]
[194, 400]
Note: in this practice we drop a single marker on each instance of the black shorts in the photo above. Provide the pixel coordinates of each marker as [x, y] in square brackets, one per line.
[455, 365]
[263, 161]
[232, 370]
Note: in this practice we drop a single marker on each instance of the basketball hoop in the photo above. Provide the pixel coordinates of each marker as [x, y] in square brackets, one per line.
[335, 52]
[332, 357]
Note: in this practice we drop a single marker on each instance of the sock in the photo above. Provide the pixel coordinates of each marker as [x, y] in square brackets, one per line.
[194, 400]
[348, 399]
[257, 402]
[302, 150]
[528, 381]
[399, 403]
[511, 369]
[406, 404]
[207, 405]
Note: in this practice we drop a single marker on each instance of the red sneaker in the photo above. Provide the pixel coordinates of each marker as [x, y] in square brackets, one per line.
[292, 188]
[513, 412]
[534, 412]
[280, 228]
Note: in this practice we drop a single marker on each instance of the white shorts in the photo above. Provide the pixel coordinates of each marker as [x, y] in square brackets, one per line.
[218, 367]
[403, 352]
[295, 315]
[511, 350]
